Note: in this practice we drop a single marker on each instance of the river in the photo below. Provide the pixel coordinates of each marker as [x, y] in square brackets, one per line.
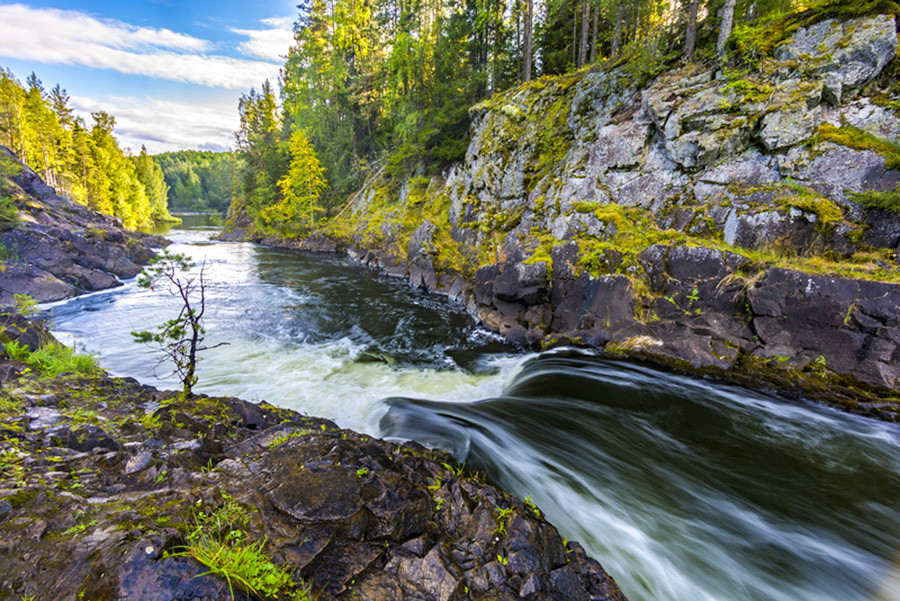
[684, 490]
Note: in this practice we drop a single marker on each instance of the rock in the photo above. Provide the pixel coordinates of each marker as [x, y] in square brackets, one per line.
[62, 249]
[618, 146]
[421, 248]
[30, 334]
[845, 322]
[750, 169]
[798, 117]
[835, 170]
[354, 517]
[845, 55]
[863, 114]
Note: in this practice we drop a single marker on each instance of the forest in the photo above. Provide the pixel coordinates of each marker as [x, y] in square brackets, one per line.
[84, 163]
[387, 85]
[199, 180]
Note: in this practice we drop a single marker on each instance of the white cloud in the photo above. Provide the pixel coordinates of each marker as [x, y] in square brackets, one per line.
[165, 125]
[269, 44]
[75, 38]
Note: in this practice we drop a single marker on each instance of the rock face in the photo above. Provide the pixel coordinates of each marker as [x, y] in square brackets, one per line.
[60, 249]
[104, 480]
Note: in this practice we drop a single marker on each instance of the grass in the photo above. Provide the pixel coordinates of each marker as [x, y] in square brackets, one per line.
[283, 438]
[52, 359]
[218, 541]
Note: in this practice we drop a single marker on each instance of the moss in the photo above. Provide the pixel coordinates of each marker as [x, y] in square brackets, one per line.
[760, 39]
[746, 91]
[888, 200]
[858, 139]
[827, 212]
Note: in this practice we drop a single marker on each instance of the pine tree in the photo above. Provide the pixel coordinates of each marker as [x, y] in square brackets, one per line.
[301, 188]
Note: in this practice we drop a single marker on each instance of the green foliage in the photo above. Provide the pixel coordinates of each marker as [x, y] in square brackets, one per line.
[8, 254]
[52, 359]
[25, 305]
[16, 351]
[85, 164]
[199, 180]
[181, 338]
[150, 174]
[9, 213]
[503, 516]
[218, 541]
[301, 188]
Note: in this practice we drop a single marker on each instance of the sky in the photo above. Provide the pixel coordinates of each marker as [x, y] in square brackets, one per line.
[170, 71]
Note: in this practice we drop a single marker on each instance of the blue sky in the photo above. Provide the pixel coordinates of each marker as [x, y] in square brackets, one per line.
[170, 71]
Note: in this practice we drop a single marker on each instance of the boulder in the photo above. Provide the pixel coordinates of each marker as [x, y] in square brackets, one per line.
[797, 117]
[61, 249]
[845, 55]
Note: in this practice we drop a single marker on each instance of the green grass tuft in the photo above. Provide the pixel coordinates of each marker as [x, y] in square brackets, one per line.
[218, 541]
[53, 359]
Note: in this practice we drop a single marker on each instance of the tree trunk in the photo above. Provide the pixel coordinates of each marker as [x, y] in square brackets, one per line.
[594, 35]
[725, 27]
[520, 66]
[529, 32]
[585, 23]
[574, 36]
[617, 32]
[690, 38]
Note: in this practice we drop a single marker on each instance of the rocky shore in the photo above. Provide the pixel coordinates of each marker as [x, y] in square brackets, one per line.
[720, 220]
[56, 249]
[114, 490]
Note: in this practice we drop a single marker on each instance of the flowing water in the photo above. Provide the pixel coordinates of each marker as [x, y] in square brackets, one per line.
[682, 489]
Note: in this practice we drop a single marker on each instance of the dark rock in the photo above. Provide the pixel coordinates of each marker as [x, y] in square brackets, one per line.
[84, 438]
[30, 334]
[610, 302]
[64, 249]
[357, 518]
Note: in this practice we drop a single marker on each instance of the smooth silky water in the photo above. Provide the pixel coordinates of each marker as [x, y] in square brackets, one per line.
[682, 489]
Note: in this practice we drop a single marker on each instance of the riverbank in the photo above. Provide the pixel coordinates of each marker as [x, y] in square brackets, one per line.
[108, 489]
[737, 222]
[52, 248]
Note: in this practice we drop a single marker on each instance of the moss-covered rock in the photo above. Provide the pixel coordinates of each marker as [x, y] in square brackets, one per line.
[112, 490]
